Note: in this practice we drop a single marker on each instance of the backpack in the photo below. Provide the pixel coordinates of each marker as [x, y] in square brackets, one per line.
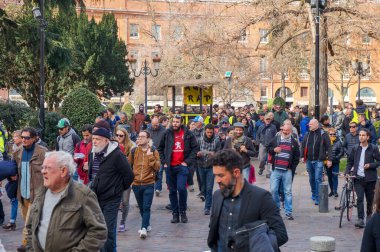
[152, 149]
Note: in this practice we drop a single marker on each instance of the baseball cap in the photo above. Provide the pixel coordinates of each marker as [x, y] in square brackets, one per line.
[238, 125]
[63, 123]
[198, 119]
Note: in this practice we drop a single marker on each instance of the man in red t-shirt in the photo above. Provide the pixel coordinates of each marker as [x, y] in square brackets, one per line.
[178, 148]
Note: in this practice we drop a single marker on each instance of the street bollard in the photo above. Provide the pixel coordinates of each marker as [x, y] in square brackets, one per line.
[323, 197]
[322, 244]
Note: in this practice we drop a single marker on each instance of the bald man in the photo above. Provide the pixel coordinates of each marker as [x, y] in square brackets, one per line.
[316, 148]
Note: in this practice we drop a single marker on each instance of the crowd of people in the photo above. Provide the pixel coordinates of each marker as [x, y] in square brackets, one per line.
[78, 189]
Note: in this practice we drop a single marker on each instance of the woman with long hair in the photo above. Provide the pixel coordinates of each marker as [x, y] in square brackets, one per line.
[371, 235]
[337, 154]
[126, 145]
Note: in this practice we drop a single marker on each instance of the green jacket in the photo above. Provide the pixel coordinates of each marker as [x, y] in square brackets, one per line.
[280, 116]
[76, 223]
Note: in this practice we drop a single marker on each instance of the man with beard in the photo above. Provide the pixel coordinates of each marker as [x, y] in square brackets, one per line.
[178, 148]
[243, 145]
[138, 119]
[239, 204]
[110, 174]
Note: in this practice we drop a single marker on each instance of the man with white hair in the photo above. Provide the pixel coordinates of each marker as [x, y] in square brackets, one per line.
[316, 148]
[110, 174]
[65, 215]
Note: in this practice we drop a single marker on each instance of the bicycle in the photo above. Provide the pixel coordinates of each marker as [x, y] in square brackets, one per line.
[347, 199]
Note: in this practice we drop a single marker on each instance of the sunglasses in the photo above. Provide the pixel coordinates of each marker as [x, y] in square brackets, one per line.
[26, 137]
[332, 134]
[119, 135]
[353, 127]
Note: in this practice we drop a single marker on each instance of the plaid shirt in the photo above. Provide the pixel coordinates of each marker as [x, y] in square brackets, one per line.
[212, 145]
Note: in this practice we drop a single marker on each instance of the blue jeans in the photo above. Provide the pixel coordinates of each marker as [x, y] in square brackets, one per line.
[207, 179]
[332, 174]
[144, 198]
[285, 177]
[158, 184]
[315, 170]
[110, 210]
[177, 177]
[14, 207]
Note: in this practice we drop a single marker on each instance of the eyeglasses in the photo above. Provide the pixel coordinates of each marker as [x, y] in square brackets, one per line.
[352, 127]
[119, 135]
[26, 137]
[141, 136]
[332, 134]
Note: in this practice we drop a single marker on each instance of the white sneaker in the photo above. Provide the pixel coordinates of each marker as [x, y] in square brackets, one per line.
[143, 233]
[158, 193]
[149, 228]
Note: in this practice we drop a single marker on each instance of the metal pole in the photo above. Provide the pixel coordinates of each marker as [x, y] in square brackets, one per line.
[317, 107]
[359, 79]
[230, 90]
[42, 71]
[146, 85]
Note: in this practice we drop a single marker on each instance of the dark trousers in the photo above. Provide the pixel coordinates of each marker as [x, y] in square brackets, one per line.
[110, 210]
[332, 174]
[177, 177]
[207, 178]
[144, 198]
[2, 215]
[190, 178]
[364, 188]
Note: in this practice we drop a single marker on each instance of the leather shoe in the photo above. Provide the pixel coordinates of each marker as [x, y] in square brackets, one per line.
[175, 218]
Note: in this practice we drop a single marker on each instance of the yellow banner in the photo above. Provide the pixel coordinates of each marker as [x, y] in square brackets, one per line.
[191, 95]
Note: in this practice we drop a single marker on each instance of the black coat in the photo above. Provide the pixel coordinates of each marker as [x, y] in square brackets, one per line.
[256, 204]
[316, 145]
[336, 151]
[165, 147]
[114, 176]
[372, 157]
[371, 236]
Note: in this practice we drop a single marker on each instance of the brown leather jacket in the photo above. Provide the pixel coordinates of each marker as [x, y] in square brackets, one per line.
[35, 166]
[76, 223]
[144, 166]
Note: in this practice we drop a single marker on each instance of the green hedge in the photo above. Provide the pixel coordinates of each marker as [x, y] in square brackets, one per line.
[81, 107]
[15, 116]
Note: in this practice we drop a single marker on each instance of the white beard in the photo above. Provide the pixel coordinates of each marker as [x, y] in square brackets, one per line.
[98, 148]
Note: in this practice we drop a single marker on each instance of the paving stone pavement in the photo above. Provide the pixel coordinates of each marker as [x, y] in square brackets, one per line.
[192, 236]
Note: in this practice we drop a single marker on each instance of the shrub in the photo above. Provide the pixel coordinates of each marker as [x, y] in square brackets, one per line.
[51, 132]
[16, 116]
[128, 109]
[81, 107]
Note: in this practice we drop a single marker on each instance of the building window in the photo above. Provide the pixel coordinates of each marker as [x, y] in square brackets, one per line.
[263, 64]
[156, 32]
[135, 54]
[366, 40]
[243, 37]
[178, 33]
[263, 92]
[134, 31]
[264, 39]
[303, 91]
[304, 75]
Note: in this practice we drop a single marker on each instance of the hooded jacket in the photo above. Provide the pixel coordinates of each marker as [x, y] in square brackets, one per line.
[114, 175]
[165, 147]
[156, 134]
[67, 142]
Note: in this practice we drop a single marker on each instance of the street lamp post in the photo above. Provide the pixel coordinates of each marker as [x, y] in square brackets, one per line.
[361, 68]
[145, 70]
[318, 6]
[38, 13]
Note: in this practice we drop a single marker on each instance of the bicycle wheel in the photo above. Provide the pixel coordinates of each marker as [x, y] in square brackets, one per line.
[349, 205]
[342, 205]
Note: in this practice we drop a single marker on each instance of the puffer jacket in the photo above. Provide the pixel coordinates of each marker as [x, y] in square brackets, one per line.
[336, 151]
[144, 166]
[350, 141]
[76, 223]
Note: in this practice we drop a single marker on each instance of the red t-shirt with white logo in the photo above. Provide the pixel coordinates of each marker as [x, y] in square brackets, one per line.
[178, 148]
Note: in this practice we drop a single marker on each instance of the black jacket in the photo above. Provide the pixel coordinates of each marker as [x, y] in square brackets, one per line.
[264, 208]
[165, 147]
[372, 157]
[294, 158]
[350, 142]
[316, 145]
[114, 176]
[371, 236]
[245, 155]
[156, 134]
[336, 151]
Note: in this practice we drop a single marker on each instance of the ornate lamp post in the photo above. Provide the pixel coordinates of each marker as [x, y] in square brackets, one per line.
[361, 68]
[145, 70]
[39, 15]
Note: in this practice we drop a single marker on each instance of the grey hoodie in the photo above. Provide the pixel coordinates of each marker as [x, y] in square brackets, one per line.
[67, 142]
